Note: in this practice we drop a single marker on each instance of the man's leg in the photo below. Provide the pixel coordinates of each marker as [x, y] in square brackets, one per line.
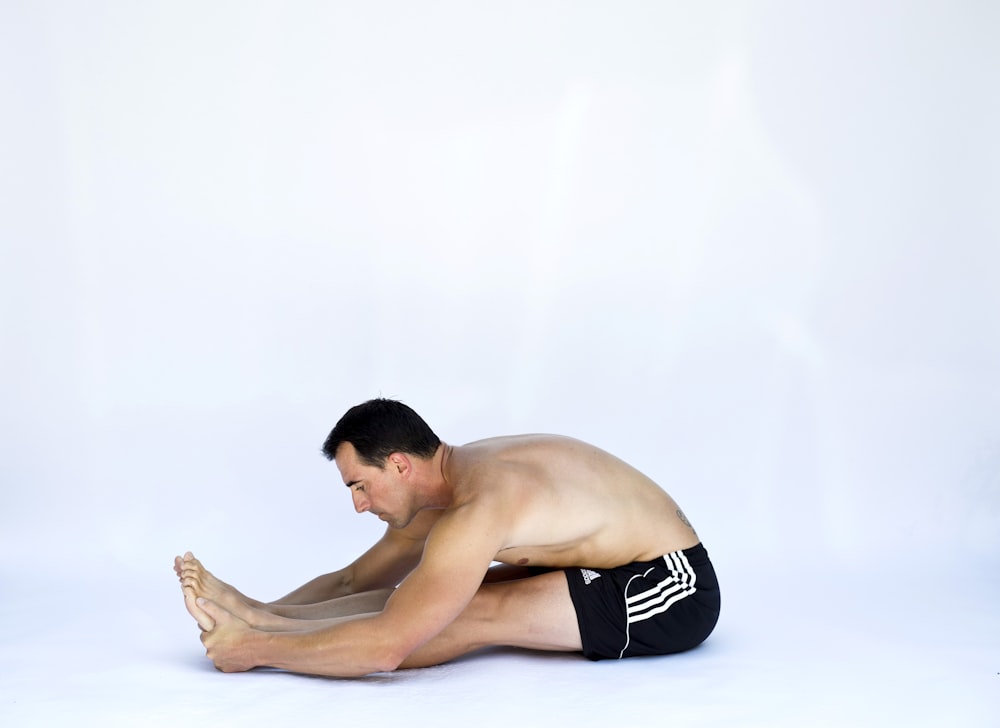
[534, 613]
[262, 615]
[209, 586]
[200, 582]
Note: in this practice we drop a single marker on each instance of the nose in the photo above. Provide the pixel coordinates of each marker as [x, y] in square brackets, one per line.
[361, 502]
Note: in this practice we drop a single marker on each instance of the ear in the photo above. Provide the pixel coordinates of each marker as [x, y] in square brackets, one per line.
[400, 462]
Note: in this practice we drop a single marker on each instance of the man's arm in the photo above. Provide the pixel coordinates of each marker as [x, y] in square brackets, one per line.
[456, 556]
[382, 566]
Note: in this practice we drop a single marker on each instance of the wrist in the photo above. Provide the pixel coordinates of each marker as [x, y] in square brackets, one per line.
[256, 648]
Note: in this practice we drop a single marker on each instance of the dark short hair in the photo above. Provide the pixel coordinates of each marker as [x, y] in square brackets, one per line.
[379, 427]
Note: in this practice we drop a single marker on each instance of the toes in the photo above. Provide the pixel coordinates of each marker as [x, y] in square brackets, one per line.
[192, 563]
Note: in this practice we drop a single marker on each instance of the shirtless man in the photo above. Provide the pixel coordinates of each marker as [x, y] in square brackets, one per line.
[594, 557]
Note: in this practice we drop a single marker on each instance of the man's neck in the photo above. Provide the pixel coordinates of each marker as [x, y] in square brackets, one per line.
[438, 480]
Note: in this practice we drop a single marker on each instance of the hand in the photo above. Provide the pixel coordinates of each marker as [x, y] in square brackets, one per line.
[205, 622]
[227, 642]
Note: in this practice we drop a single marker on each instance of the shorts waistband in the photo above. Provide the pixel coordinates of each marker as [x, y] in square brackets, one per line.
[697, 555]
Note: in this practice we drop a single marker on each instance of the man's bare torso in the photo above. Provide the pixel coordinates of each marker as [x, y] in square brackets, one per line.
[561, 502]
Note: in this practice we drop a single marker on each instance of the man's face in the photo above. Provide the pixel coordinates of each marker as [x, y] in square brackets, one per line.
[382, 491]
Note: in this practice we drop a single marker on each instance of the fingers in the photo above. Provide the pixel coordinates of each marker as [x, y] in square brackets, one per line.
[215, 612]
[201, 616]
[210, 608]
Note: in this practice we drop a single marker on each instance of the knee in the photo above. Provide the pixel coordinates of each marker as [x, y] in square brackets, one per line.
[489, 604]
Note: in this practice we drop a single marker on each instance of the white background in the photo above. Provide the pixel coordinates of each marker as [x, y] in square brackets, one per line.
[751, 248]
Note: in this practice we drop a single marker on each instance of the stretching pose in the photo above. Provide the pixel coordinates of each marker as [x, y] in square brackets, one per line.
[594, 557]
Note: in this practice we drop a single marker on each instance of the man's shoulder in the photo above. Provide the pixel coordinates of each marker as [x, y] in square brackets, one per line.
[421, 525]
[504, 443]
[471, 532]
[507, 456]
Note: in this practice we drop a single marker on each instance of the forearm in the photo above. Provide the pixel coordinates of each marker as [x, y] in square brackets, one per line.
[350, 648]
[321, 589]
[382, 566]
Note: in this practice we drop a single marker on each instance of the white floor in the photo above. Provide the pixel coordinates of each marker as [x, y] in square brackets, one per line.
[905, 644]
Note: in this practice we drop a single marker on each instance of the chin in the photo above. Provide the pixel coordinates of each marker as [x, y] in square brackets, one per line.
[398, 522]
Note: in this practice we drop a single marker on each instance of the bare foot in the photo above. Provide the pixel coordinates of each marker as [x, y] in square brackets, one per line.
[225, 645]
[198, 582]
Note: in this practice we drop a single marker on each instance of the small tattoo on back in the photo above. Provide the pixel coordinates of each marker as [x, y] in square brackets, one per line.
[685, 521]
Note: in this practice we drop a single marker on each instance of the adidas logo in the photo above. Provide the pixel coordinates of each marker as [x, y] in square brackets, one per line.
[589, 576]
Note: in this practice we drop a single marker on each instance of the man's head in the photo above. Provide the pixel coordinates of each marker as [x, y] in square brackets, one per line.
[379, 427]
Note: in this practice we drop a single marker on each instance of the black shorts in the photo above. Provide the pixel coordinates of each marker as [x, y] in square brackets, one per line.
[670, 604]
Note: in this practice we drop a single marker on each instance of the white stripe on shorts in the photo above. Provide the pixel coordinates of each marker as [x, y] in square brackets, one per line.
[678, 585]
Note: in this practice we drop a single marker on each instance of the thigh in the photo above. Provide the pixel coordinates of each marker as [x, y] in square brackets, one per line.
[535, 613]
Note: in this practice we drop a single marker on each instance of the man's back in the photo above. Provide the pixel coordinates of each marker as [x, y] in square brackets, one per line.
[563, 502]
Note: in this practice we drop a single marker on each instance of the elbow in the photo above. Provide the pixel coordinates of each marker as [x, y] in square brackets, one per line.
[392, 646]
[392, 660]
[395, 654]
